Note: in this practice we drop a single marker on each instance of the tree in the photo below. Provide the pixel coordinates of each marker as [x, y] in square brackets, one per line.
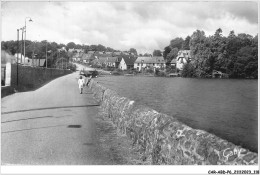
[201, 53]
[157, 53]
[172, 55]
[147, 55]
[101, 48]
[186, 43]
[188, 70]
[71, 45]
[166, 51]
[133, 50]
[109, 49]
[176, 43]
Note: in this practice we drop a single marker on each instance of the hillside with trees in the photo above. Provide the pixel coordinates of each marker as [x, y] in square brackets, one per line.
[234, 55]
[38, 49]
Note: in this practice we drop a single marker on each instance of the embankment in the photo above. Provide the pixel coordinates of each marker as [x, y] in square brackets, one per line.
[31, 78]
[163, 140]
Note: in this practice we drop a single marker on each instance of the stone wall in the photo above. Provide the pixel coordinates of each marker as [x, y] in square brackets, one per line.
[163, 140]
[33, 77]
[6, 90]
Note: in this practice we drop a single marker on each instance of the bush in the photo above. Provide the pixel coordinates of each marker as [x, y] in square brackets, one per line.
[170, 69]
[117, 72]
[161, 74]
[150, 70]
[188, 70]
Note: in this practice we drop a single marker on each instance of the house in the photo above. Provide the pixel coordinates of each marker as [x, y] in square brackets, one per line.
[77, 56]
[6, 61]
[91, 52]
[149, 62]
[105, 61]
[111, 61]
[62, 49]
[79, 50]
[76, 50]
[182, 58]
[110, 53]
[87, 58]
[173, 62]
[37, 62]
[118, 53]
[126, 53]
[126, 62]
[71, 50]
[23, 60]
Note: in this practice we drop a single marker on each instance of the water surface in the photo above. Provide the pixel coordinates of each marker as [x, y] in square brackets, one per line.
[224, 107]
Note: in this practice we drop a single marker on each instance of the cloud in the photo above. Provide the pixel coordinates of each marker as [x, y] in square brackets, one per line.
[122, 25]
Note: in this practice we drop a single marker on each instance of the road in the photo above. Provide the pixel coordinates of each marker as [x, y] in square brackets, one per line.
[56, 125]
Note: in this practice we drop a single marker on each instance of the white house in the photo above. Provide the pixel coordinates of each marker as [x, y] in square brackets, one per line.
[149, 62]
[37, 62]
[182, 58]
[6, 61]
[122, 65]
[23, 60]
[127, 62]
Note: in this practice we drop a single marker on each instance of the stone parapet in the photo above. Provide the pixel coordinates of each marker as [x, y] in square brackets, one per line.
[163, 140]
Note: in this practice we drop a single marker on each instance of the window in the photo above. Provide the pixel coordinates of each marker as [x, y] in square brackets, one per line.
[137, 64]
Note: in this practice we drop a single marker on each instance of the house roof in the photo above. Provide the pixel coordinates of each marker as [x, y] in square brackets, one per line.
[150, 60]
[87, 56]
[70, 50]
[91, 52]
[129, 60]
[117, 53]
[79, 50]
[105, 60]
[173, 61]
[184, 54]
[78, 55]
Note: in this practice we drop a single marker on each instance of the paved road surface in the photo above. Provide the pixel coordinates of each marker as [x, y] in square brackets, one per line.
[56, 125]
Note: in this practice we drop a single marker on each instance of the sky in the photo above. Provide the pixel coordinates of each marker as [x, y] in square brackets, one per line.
[145, 26]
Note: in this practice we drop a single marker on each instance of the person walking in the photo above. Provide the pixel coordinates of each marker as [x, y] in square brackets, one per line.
[89, 79]
[81, 84]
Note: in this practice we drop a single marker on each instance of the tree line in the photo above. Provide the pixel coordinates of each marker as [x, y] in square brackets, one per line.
[234, 55]
[37, 49]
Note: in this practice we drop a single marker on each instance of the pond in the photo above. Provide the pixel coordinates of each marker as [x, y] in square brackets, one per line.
[225, 107]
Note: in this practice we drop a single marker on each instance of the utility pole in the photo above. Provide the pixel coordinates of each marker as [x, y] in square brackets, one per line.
[33, 54]
[22, 45]
[30, 20]
[46, 54]
[17, 56]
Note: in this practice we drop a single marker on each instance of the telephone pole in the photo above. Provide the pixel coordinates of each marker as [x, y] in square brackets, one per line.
[17, 56]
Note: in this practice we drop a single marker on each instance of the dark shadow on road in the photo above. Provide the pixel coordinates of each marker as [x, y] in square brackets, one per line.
[58, 107]
[74, 126]
[5, 132]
